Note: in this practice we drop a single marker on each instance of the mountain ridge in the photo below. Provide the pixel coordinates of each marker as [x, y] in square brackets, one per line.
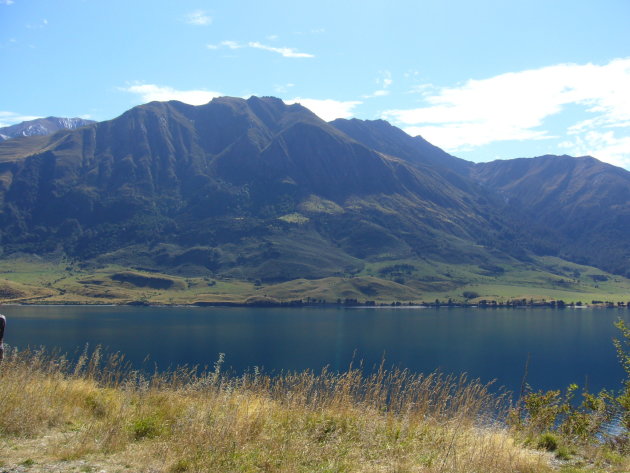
[257, 189]
[584, 199]
[42, 127]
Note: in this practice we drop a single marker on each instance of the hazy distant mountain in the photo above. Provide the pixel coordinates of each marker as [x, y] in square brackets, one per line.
[257, 189]
[585, 201]
[42, 126]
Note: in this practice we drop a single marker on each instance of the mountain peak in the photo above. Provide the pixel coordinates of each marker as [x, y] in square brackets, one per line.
[42, 127]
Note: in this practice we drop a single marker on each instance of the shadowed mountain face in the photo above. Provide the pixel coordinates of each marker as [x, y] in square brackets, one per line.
[585, 201]
[42, 126]
[383, 137]
[255, 189]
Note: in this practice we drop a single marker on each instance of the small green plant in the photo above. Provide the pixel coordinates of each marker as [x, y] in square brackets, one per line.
[623, 352]
[547, 441]
[558, 423]
[147, 427]
[181, 466]
[542, 410]
[563, 453]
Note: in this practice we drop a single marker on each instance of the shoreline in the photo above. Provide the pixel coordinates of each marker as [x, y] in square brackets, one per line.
[301, 304]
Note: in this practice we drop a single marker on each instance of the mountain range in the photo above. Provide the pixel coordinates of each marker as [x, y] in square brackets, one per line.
[259, 190]
[42, 126]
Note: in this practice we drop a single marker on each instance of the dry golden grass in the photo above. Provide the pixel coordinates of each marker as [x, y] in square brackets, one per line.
[102, 414]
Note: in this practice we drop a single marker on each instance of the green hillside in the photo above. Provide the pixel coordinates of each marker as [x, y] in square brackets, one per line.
[265, 199]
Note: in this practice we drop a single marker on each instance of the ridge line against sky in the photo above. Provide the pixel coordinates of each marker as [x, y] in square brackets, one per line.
[484, 81]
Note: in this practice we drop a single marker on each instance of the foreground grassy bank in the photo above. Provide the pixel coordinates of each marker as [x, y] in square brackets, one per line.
[99, 415]
[36, 280]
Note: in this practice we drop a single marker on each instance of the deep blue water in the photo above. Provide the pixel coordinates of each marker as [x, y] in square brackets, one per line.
[565, 346]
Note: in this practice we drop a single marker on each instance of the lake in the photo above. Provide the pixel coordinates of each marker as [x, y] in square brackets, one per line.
[564, 345]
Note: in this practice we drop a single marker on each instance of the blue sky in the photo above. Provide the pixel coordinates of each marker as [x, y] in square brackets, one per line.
[483, 79]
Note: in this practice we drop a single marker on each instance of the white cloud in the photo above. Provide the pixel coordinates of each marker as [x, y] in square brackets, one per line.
[6, 2]
[285, 52]
[231, 44]
[383, 81]
[327, 109]
[198, 18]
[283, 88]
[12, 118]
[151, 92]
[387, 79]
[376, 93]
[605, 146]
[425, 90]
[514, 106]
[467, 136]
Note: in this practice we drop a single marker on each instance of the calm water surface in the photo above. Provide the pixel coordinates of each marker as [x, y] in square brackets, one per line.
[565, 346]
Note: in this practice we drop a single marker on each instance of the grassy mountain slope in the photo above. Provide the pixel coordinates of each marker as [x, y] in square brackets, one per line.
[258, 191]
[244, 182]
[29, 279]
[585, 201]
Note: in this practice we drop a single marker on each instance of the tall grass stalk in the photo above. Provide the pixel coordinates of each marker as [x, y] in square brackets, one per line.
[196, 420]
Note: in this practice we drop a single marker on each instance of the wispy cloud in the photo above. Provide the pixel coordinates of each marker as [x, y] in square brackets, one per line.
[6, 2]
[285, 52]
[153, 92]
[198, 18]
[515, 105]
[283, 88]
[37, 26]
[604, 145]
[311, 31]
[225, 44]
[327, 109]
[383, 82]
[12, 118]
[231, 44]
